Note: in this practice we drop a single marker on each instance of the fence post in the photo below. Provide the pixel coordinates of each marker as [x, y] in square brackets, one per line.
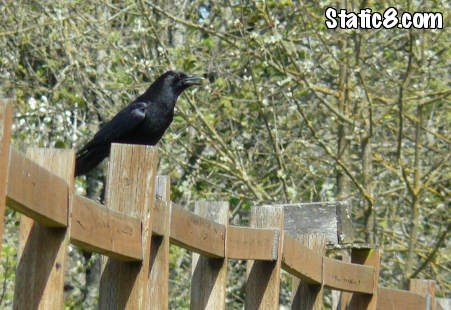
[425, 288]
[263, 277]
[130, 189]
[351, 301]
[159, 249]
[307, 296]
[345, 234]
[42, 250]
[209, 275]
[6, 116]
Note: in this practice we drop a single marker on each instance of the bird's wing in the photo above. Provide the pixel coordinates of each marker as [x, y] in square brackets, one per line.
[120, 125]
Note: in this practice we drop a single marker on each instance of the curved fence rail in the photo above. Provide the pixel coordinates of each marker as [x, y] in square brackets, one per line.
[137, 224]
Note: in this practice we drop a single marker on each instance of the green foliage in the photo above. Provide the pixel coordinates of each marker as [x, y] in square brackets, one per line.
[8, 262]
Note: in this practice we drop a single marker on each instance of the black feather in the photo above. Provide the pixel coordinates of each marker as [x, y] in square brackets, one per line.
[143, 121]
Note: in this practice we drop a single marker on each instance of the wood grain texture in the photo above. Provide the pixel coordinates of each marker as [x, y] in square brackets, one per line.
[302, 262]
[196, 233]
[263, 277]
[345, 230]
[348, 277]
[312, 218]
[98, 229]
[209, 275]
[251, 243]
[158, 284]
[160, 223]
[340, 298]
[308, 296]
[365, 257]
[6, 116]
[36, 192]
[424, 288]
[130, 189]
[393, 299]
[43, 250]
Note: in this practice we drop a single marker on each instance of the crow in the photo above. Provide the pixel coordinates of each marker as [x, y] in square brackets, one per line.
[143, 121]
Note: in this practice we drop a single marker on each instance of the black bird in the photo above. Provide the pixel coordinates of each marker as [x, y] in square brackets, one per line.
[143, 121]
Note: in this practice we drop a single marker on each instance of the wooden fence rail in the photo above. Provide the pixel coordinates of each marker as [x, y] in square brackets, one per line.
[138, 222]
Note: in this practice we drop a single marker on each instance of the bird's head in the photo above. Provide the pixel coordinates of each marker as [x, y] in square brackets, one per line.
[170, 85]
[179, 81]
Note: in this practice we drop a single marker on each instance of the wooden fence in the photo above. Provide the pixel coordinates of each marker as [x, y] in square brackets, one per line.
[135, 226]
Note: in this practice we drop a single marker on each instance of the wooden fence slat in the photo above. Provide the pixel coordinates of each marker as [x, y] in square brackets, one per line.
[34, 191]
[393, 299]
[312, 217]
[130, 189]
[424, 287]
[160, 225]
[159, 248]
[251, 243]
[301, 261]
[98, 229]
[365, 257]
[263, 277]
[347, 277]
[209, 275]
[6, 116]
[307, 296]
[43, 250]
[196, 233]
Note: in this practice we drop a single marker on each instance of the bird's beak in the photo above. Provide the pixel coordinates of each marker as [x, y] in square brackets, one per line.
[195, 80]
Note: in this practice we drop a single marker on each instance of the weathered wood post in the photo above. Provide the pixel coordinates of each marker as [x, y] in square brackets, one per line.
[159, 248]
[345, 237]
[314, 224]
[6, 116]
[306, 296]
[263, 277]
[356, 301]
[424, 288]
[131, 190]
[209, 275]
[43, 249]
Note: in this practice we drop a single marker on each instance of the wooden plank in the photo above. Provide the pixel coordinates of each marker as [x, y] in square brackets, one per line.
[43, 250]
[98, 229]
[312, 218]
[252, 243]
[209, 275]
[367, 257]
[340, 298]
[160, 225]
[308, 296]
[424, 287]
[301, 261]
[263, 277]
[36, 192]
[130, 189]
[393, 299]
[196, 233]
[158, 284]
[6, 116]
[347, 277]
[345, 232]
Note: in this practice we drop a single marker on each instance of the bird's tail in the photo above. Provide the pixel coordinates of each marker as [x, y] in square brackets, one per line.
[87, 159]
